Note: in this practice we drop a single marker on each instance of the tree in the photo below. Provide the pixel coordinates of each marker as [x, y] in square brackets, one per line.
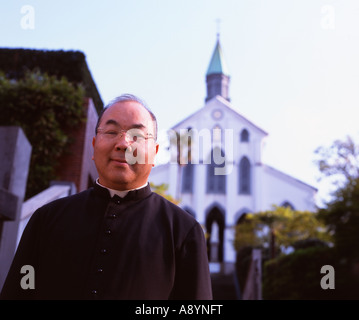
[279, 229]
[340, 161]
[295, 276]
[342, 217]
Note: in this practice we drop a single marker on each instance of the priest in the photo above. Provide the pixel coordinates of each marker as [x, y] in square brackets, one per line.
[117, 240]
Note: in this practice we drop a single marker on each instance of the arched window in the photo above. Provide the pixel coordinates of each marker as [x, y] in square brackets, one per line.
[287, 204]
[244, 176]
[215, 226]
[244, 135]
[187, 178]
[216, 183]
[217, 133]
[240, 216]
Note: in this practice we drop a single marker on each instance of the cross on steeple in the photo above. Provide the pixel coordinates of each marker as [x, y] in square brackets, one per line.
[218, 22]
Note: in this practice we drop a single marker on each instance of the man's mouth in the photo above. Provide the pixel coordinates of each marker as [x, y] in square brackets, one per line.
[119, 161]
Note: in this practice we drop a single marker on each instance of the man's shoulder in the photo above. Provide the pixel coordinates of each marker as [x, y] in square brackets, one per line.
[73, 200]
[61, 209]
[172, 209]
[183, 225]
[165, 202]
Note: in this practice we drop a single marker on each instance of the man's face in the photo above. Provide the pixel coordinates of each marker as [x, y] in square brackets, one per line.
[124, 147]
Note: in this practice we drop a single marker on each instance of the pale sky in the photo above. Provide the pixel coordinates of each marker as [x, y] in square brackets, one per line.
[294, 64]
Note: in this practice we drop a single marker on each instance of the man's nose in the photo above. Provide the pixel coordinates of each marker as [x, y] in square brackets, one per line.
[122, 141]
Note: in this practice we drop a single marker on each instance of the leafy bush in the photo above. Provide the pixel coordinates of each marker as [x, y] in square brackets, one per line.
[14, 62]
[297, 276]
[46, 108]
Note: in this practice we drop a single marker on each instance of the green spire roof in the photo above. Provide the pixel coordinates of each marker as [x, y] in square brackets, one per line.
[217, 64]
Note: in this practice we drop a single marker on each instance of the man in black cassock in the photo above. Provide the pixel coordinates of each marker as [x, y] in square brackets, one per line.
[117, 240]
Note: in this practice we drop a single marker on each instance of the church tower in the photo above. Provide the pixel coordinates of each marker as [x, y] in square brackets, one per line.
[217, 77]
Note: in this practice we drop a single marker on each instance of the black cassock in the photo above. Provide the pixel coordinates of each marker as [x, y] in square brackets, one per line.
[92, 246]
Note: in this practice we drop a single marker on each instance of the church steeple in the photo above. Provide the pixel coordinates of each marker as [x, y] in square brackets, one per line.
[217, 76]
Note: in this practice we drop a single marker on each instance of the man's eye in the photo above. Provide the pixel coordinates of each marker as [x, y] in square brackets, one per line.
[135, 135]
[111, 133]
[139, 137]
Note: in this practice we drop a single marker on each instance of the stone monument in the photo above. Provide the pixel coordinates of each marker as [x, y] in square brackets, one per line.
[15, 154]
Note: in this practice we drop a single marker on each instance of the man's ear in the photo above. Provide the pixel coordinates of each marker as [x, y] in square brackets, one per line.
[157, 148]
[93, 144]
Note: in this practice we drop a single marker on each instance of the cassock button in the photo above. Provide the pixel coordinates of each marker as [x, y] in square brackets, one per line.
[116, 199]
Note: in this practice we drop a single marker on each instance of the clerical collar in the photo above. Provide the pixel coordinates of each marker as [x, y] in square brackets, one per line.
[121, 194]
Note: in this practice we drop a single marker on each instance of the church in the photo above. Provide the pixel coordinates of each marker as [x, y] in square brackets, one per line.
[216, 171]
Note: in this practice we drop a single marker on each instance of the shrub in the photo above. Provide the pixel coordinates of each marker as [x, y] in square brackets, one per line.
[297, 276]
[46, 108]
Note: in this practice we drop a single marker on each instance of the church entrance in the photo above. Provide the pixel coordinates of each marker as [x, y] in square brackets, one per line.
[215, 228]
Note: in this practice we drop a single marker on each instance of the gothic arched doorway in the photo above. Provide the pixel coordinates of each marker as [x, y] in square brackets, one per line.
[215, 230]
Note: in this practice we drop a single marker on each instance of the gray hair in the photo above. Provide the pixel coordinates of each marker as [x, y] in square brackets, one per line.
[123, 98]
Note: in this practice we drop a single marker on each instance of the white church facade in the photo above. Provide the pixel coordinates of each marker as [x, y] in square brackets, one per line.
[225, 177]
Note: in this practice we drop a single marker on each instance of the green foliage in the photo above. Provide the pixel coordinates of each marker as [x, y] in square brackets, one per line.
[340, 160]
[161, 189]
[46, 108]
[69, 64]
[342, 217]
[273, 231]
[341, 214]
[284, 225]
[297, 276]
[246, 235]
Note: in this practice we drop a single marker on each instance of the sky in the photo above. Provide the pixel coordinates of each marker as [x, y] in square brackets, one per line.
[294, 64]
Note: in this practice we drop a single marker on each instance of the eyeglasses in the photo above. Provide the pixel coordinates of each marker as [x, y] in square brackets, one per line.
[133, 135]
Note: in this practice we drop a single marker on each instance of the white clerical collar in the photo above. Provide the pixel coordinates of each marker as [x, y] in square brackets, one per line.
[121, 194]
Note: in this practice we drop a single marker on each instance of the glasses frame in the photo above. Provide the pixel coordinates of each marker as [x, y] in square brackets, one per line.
[112, 134]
